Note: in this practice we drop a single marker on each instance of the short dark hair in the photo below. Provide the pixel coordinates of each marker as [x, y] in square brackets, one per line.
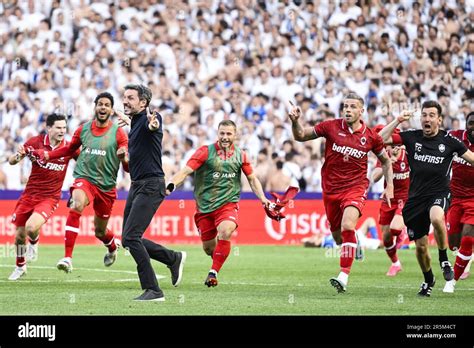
[432, 104]
[353, 95]
[104, 95]
[469, 115]
[53, 118]
[227, 123]
[144, 93]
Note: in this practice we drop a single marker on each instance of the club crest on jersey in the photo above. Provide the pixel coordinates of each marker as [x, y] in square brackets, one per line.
[402, 166]
[363, 140]
[441, 148]
[417, 147]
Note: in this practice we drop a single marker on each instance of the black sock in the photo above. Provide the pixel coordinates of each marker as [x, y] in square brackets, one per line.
[428, 276]
[155, 288]
[443, 255]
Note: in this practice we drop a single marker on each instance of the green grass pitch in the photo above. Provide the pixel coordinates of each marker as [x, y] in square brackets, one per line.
[256, 280]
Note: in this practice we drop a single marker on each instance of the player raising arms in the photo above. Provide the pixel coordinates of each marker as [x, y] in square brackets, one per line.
[42, 193]
[461, 212]
[104, 146]
[217, 169]
[391, 219]
[430, 153]
[344, 174]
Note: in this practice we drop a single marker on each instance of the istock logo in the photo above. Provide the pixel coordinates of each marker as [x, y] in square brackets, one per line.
[37, 331]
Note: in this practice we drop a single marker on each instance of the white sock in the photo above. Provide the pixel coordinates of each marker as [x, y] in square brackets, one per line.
[396, 263]
[343, 277]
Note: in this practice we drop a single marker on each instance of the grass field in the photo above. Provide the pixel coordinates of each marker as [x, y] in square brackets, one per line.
[256, 280]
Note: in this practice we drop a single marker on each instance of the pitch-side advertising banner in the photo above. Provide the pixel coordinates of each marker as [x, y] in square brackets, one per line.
[174, 223]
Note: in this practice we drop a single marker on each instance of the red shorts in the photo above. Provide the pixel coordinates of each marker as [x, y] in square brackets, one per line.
[387, 213]
[28, 205]
[337, 202]
[103, 202]
[207, 222]
[461, 211]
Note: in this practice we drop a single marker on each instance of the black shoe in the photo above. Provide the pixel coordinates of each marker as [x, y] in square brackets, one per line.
[176, 268]
[425, 288]
[211, 280]
[448, 272]
[151, 295]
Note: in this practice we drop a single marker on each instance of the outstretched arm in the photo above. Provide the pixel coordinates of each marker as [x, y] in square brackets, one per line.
[178, 179]
[387, 131]
[256, 187]
[18, 156]
[299, 132]
[469, 156]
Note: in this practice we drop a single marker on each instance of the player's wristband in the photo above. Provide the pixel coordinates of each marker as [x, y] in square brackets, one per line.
[170, 187]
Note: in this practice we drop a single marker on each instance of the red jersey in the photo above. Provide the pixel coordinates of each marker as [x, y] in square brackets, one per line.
[462, 180]
[345, 164]
[401, 176]
[46, 179]
[201, 155]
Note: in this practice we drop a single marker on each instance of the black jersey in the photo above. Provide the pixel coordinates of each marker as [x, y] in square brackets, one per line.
[430, 161]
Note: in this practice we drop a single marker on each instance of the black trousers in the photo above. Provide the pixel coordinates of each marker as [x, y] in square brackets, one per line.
[143, 200]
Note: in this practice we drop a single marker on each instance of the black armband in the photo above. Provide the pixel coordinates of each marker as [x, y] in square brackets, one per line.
[170, 187]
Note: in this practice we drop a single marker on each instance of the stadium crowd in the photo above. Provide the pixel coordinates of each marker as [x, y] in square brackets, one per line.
[206, 61]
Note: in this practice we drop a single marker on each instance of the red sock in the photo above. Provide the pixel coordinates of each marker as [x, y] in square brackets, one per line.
[394, 232]
[109, 240]
[464, 255]
[348, 250]
[72, 230]
[220, 254]
[20, 255]
[34, 241]
[391, 250]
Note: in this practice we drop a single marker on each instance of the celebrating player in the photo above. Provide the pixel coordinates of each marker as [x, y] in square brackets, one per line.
[430, 154]
[217, 169]
[391, 219]
[42, 193]
[461, 211]
[104, 147]
[344, 174]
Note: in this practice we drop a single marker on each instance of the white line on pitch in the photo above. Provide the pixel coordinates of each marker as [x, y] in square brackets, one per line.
[86, 269]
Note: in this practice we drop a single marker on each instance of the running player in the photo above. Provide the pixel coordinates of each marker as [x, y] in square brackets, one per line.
[344, 174]
[217, 169]
[391, 219]
[461, 211]
[430, 154]
[104, 147]
[42, 193]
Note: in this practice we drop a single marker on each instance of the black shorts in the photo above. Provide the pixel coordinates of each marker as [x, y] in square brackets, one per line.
[416, 213]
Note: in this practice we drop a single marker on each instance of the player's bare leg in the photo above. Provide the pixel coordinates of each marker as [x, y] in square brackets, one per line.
[424, 260]
[20, 247]
[463, 257]
[221, 251]
[78, 202]
[107, 237]
[209, 246]
[32, 229]
[348, 247]
[440, 233]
